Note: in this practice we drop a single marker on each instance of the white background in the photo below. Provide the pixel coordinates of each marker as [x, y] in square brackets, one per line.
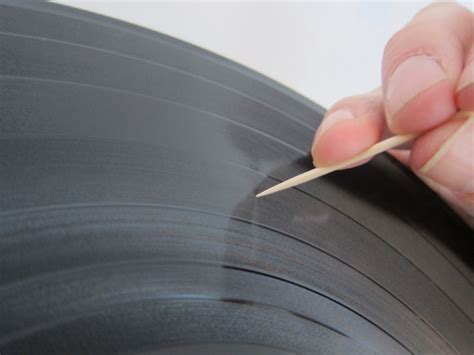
[323, 50]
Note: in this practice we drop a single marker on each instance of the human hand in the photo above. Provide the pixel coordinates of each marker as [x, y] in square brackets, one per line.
[427, 76]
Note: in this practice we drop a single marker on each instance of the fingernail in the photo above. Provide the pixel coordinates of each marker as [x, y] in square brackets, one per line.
[411, 77]
[331, 120]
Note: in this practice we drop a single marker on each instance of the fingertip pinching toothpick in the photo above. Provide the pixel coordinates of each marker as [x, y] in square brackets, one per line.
[377, 148]
[380, 147]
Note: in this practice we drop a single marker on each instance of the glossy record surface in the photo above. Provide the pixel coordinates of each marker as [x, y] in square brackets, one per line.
[129, 163]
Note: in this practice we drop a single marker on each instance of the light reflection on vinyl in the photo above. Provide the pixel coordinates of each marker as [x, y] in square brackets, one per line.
[129, 163]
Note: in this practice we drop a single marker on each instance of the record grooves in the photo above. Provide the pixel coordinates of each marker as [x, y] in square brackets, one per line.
[129, 163]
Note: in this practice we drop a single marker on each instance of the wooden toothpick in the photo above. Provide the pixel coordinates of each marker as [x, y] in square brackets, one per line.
[380, 147]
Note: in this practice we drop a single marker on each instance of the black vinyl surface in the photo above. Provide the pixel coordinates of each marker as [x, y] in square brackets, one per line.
[129, 163]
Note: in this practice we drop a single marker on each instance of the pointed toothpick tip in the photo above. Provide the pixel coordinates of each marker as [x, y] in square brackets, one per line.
[263, 193]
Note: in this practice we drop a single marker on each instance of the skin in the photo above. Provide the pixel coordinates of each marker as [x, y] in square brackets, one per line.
[427, 76]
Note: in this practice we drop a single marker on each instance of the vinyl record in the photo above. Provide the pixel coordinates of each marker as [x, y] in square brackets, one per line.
[129, 164]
